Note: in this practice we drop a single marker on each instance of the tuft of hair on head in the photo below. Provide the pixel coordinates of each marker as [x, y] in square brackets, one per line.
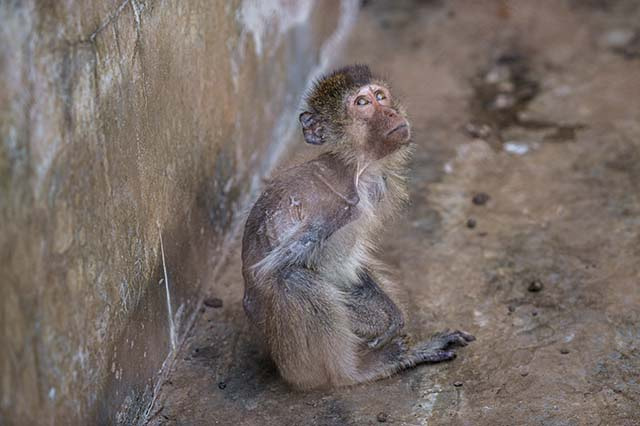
[325, 113]
[327, 96]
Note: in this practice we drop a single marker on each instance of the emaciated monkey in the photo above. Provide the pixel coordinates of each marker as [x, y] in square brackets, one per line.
[313, 287]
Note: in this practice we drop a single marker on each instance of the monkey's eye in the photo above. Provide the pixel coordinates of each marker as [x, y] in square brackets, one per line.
[380, 95]
[361, 101]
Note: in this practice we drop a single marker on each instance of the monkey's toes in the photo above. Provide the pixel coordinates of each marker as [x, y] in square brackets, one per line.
[466, 336]
[455, 338]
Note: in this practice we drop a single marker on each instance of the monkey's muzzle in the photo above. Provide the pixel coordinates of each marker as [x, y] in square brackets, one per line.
[397, 128]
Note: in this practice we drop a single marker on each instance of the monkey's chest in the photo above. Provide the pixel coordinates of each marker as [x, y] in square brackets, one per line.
[347, 251]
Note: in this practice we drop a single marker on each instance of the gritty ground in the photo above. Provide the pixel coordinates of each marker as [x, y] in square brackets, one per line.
[536, 105]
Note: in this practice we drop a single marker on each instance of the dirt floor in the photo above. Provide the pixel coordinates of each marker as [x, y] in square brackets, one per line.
[524, 229]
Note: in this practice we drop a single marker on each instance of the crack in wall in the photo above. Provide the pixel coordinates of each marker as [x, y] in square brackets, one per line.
[112, 17]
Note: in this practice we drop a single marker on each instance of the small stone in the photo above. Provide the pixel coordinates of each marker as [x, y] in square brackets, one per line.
[618, 38]
[516, 148]
[480, 199]
[213, 302]
[498, 74]
[382, 417]
[416, 43]
[504, 101]
[511, 308]
[534, 313]
[457, 384]
[535, 286]
[222, 385]
[506, 86]
[471, 223]
[481, 131]
[524, 373]
[564, 351]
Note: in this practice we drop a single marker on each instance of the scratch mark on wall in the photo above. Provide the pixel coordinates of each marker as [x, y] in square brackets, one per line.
[172, 330]
[108, 21]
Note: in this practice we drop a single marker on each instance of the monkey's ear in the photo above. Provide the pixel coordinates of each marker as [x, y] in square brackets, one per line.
[313, 129]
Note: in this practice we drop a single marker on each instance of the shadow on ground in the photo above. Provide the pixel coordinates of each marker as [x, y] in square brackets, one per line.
[536, 105]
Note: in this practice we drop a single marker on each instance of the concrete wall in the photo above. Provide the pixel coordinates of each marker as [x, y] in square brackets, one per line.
[121, 122]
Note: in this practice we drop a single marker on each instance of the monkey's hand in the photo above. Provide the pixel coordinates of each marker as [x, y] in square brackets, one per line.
[397, 322]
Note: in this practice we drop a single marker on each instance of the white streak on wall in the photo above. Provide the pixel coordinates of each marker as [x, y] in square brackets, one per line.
[172, 329]
[272, 18]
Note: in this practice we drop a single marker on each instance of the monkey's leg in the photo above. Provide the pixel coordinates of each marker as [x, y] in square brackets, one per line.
[374, 316]
[397, 356]
[308, 331]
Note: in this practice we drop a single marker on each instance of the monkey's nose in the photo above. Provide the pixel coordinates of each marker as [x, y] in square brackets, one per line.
[389, 113]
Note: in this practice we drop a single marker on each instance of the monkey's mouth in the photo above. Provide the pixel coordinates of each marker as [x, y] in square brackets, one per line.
[395, 129]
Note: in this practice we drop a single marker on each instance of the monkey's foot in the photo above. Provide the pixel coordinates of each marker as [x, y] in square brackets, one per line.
[440, 347]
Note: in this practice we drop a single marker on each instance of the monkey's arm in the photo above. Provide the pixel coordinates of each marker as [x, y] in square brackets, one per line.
[298, 227]
[295, 247]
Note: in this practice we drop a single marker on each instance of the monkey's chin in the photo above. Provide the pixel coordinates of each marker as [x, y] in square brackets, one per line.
[393, 147]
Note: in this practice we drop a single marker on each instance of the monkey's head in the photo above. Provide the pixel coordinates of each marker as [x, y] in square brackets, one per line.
[354, 112]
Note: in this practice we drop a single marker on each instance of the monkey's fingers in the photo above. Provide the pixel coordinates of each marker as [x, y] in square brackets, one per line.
[387, 336]
[375, 343]
[380, 341]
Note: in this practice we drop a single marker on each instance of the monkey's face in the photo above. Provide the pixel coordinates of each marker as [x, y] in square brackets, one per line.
[378, 127]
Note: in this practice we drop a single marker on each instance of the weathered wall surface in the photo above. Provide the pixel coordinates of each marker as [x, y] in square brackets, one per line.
[123, 121]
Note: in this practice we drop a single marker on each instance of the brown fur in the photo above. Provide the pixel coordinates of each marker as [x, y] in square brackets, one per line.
[313, 287]
[327, 95]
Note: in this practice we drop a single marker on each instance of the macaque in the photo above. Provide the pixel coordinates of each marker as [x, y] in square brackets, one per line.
[313, 288]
